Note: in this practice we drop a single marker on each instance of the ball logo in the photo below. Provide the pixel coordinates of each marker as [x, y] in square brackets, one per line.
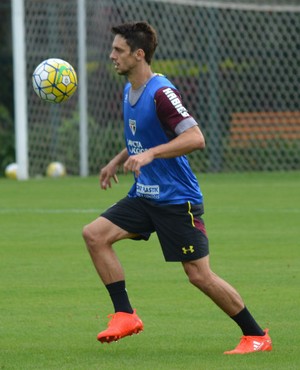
[66, 80]
[63, 78]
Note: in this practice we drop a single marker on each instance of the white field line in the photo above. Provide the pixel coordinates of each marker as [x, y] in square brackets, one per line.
[48, 210]
[4, 211]
[251, 209]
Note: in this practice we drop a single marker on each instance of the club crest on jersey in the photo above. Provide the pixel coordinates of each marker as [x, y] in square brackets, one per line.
[132, 126]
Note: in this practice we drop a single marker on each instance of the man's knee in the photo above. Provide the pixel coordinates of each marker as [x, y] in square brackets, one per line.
[196, 279]
[88, 235]
[201, 277]
[102, 233]
[86, 232]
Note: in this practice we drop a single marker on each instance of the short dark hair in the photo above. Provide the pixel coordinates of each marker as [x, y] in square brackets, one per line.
[138, 35]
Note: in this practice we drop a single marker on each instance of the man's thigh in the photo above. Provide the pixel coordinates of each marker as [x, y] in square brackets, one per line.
[130, 214]
[103, 229]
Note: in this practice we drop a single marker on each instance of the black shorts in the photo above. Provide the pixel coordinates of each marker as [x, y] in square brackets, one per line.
[180, 228]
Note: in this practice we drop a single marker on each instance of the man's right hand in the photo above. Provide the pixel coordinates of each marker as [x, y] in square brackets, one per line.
[106, 173]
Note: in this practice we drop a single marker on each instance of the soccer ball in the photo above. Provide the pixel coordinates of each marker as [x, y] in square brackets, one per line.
[11, 171]
[54, 80]
[56, 169]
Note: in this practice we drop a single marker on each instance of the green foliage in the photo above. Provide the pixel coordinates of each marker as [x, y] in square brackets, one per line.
[7, 144]
[6, 62]
[104, 141]
[191, 68]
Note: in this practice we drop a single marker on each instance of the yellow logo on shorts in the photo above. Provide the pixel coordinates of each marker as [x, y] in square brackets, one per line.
[190, 249]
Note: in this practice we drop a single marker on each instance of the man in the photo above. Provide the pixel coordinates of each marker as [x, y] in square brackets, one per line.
[165, 197]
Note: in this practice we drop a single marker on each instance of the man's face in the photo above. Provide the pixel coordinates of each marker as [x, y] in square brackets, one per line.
[122, 57]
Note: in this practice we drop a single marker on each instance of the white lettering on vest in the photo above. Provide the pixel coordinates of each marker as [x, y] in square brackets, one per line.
[176, 102]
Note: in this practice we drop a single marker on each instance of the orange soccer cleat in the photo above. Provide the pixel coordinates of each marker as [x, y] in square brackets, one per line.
[250, 344]
[121, 325]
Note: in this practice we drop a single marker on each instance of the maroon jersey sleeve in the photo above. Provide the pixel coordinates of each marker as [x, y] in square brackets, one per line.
[170, 110]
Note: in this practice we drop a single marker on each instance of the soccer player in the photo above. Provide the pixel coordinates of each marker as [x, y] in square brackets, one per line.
[165, 197]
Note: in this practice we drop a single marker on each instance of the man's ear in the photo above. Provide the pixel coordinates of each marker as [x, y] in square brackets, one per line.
[140, 54]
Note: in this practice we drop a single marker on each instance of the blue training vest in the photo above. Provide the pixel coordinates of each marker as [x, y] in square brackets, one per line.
[164, 181]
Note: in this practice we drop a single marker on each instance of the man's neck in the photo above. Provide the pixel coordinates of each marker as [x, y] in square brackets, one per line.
[139, 78]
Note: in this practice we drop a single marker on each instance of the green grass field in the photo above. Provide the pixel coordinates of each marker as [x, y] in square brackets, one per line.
[53, 305]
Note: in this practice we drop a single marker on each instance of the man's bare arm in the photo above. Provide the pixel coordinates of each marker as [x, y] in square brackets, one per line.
[190, 140]
[110, 170]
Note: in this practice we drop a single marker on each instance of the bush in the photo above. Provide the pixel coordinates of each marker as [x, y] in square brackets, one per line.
[104, 142]
[7, 142]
